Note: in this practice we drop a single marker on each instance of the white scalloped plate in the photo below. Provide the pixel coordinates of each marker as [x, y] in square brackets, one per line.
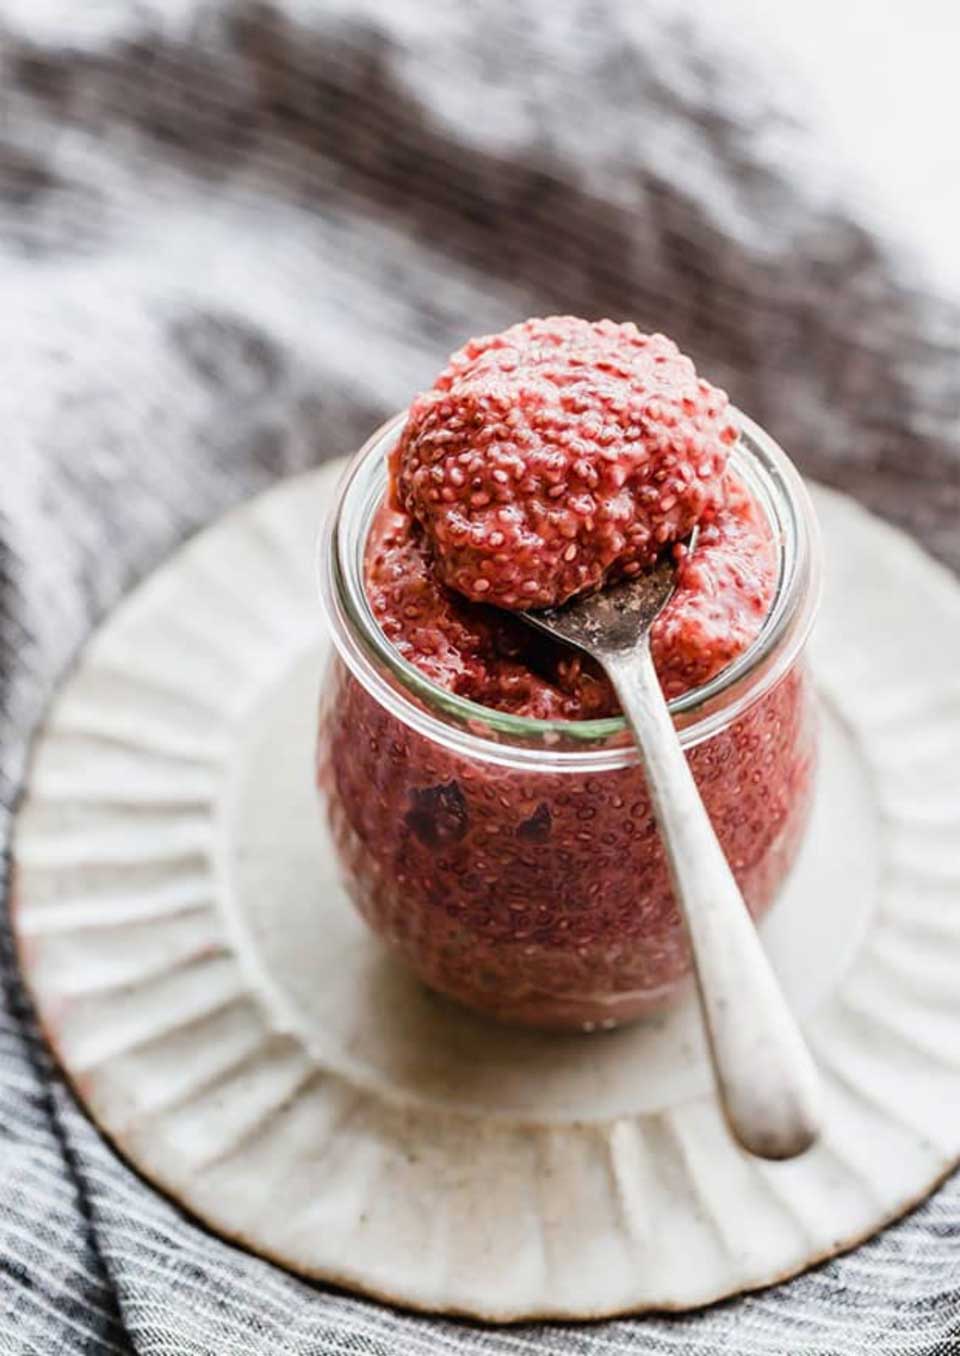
[236, 1032]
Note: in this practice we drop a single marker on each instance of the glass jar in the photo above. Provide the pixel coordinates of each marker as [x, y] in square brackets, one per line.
[515, 864]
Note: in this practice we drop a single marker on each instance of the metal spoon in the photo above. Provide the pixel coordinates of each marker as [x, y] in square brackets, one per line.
[768, 1084]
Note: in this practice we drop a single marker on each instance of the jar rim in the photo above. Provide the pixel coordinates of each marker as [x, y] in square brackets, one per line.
[490, 735]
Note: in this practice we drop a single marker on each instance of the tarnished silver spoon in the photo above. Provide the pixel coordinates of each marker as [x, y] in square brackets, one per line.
[767, 1081]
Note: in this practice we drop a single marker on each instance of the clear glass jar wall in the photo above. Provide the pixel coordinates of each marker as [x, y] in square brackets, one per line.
[515, 864]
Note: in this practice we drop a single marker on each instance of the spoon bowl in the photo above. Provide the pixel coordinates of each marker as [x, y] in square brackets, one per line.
[616, 619]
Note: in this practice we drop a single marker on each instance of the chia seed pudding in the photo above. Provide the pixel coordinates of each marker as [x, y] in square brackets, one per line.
[489, 810]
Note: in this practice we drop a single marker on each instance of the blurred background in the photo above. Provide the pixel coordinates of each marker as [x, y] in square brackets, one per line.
[236, 234]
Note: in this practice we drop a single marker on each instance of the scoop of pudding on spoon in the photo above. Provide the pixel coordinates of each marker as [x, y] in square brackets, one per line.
[766, 1078]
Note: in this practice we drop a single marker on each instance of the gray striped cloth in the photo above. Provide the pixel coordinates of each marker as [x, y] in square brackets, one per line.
[234, 234]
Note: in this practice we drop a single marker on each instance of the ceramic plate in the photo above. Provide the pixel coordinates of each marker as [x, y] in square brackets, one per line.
[240, 1037]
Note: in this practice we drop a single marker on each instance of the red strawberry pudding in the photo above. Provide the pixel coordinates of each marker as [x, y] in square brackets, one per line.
[490, 812]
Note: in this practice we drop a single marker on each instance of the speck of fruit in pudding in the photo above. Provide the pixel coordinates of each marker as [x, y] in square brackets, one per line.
[559, 454]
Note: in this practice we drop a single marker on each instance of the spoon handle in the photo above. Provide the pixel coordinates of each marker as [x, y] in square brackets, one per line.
[768, 1083]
